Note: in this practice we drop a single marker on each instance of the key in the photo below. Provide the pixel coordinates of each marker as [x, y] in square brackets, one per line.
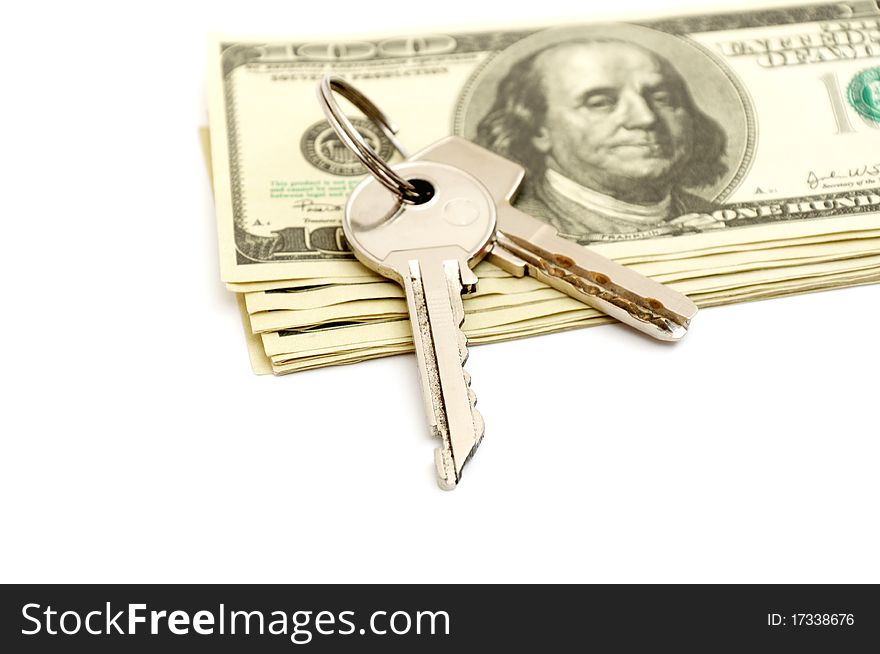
[428, 221]
[525, 245]
[430, 248]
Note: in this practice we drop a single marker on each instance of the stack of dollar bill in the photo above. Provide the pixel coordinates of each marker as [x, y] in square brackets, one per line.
[733, 157]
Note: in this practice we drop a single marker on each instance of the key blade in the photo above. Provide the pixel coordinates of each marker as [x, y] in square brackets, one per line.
[433, 288]
[430, 247]
[526, 245]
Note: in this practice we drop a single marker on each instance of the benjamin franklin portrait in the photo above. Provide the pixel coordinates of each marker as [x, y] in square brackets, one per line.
[612, 140]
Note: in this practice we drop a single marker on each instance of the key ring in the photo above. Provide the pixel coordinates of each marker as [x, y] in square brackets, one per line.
[356, 142]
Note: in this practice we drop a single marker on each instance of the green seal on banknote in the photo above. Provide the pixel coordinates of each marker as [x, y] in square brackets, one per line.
[864, 93]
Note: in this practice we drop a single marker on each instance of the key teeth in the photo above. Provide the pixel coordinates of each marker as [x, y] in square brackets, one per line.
[446, 474]
[479, 423]
[453, 455]
[478, 418]
[446, 478]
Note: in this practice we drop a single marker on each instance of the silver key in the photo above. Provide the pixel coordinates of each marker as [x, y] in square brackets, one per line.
[527, 246]
[429, 243]
[429, 249]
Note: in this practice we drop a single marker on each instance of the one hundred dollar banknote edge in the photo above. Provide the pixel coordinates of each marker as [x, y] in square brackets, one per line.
[757, 293]
[763, 229]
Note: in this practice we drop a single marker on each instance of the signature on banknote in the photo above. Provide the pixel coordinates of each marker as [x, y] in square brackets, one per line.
[844, 177]
[310, 206]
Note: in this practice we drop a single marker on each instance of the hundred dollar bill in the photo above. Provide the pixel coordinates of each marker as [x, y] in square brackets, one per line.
[642, 140]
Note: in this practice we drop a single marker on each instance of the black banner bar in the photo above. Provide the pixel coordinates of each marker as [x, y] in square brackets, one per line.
[426, 618]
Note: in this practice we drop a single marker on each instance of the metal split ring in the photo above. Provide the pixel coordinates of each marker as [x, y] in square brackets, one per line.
[355, 142]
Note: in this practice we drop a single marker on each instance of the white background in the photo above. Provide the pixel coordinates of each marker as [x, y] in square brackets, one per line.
[137, 446]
